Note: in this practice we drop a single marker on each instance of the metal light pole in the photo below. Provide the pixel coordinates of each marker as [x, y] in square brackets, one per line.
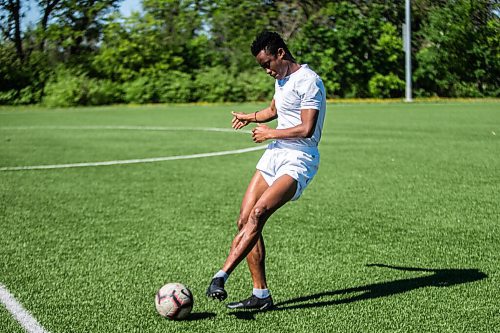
[407, 49]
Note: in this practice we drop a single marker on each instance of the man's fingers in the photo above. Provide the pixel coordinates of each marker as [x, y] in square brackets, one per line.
[238, 124]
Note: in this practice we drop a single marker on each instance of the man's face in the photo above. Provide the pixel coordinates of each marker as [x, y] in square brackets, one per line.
[273, 64]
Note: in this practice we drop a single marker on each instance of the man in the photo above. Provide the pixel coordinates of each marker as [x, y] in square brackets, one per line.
[286, 167]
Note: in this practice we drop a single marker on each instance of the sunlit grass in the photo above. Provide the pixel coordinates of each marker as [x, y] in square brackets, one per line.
[403, 186]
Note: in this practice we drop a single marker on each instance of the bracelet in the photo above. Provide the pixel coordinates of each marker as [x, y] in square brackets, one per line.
[255, 116]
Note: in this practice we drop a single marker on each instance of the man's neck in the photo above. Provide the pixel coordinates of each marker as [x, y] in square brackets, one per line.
[292, 67]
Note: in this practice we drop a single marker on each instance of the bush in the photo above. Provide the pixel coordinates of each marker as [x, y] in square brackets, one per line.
[255, 86]
[65, 88]
[174, 87]
[28, 95]
[213, 84]
[8, 97]
[71, 88]
[159, 87]
[101, 92]
[383, 86]
[139, 91]
[21, 82]
[216, 84]
[466, 89]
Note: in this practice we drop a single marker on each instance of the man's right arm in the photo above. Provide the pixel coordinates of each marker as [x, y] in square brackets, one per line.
[241, 119]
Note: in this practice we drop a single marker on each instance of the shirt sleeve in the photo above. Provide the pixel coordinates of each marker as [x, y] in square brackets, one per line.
[311, 92]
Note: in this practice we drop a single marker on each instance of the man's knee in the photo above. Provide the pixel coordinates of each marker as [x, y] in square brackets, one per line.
[259, 213]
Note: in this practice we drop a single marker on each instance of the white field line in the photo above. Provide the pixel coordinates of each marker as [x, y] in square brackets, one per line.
[133, 161]
[142, 160]
[132, 128]
[23, 317]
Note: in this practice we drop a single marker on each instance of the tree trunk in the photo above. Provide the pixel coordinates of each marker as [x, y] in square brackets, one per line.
[47, 10]
[16, 15]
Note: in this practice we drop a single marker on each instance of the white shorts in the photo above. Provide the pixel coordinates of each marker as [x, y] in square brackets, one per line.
[300, 163]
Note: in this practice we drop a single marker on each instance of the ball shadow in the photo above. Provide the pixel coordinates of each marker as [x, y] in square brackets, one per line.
[200, 316]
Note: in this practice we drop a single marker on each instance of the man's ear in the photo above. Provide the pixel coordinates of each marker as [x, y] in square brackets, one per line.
[280, 53]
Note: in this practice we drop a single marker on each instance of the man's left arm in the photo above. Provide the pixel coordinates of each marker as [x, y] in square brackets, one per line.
[309, 117]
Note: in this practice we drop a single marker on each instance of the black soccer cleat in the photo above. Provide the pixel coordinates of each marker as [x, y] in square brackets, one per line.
[216, 289]
[253, 302]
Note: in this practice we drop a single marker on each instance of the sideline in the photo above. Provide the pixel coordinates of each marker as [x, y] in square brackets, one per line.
[20, 314]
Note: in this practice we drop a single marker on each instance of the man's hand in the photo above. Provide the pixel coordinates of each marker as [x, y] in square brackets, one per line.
[261, 133]
[240, 120]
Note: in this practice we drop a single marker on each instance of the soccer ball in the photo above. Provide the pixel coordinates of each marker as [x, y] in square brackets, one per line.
[174, 301]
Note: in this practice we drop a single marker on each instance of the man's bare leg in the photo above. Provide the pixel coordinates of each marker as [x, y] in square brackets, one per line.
[256, 257]
[256, 261]
[271, 199]
[255, 189]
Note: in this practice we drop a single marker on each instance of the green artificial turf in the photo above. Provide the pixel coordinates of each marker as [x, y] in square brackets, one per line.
[398, 232]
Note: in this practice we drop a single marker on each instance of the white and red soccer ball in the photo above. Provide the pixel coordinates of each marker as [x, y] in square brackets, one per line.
[174, 301]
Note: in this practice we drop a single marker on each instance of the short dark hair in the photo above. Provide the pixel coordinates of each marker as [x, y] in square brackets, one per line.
[270, 42]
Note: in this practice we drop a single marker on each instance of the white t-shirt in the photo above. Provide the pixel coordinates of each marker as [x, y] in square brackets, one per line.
[302, 89]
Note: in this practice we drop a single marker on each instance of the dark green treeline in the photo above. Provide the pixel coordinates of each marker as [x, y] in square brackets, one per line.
[82, 52]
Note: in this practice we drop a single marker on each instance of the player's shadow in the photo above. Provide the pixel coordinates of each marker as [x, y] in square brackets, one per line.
[438, 278]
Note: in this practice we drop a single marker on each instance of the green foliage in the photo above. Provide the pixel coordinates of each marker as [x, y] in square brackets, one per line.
[71, 88]
[159, 86]
[234, 24]
[388, 53]
[320, 58]
[133, 46]
[101, 92]
[347, 45]
[382, 86]
[124, 50]
[10, 68]
[8, 97]
[139, 90]
[460, 51]
[174, 87]
[23, 82]
[189, 50]
[65, 88]
[255, 85]
[216, 84]
[76, 28]
[14, 77]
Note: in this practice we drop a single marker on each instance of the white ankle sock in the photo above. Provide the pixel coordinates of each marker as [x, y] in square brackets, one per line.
[261, 293]
[221, 274]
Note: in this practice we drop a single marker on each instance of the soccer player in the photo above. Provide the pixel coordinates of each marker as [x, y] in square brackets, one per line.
[287, 166]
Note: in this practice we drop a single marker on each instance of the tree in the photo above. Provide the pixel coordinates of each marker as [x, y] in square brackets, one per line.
[10, 24]
[173, 49]
[349, 44]
[48, 7]
[460, 48]
[76, 27]
[168, 35]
